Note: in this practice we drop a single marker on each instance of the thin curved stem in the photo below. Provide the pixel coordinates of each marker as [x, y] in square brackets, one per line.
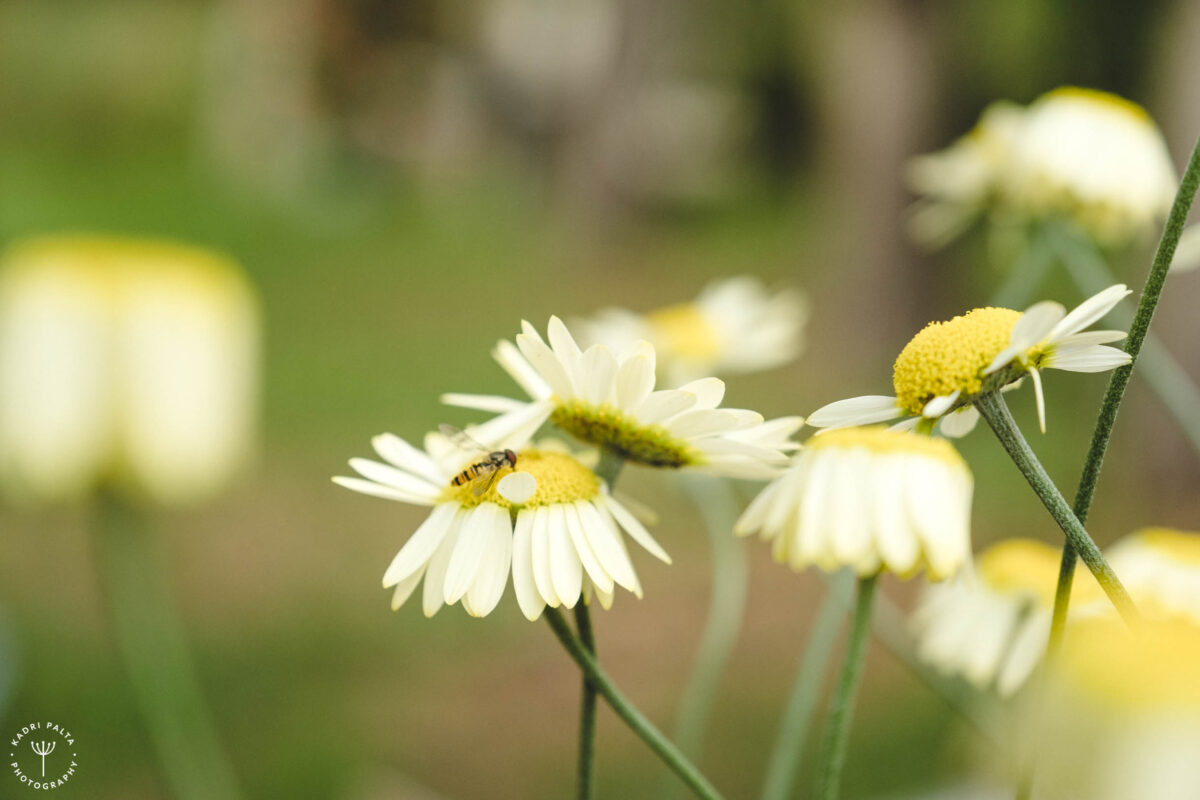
[841, 708]
[585, 782]
[802, 703]
[715, 499]
[993, 408]
[1151, 292]
[637, 722]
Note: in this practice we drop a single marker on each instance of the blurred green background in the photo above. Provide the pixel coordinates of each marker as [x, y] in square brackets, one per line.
[406, 181]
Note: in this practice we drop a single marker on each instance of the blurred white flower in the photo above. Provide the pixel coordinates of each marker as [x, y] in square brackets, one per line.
[1089, 157]
[947, 365]
[1187, 252]
[990, 625]
[1122, 717]
[609, 401]
[127, 363]
[549, 518]
[869, 499]
[1161, 569]
[733, 326]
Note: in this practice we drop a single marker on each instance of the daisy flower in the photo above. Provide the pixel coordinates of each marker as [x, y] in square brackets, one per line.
[734, 326]
[870, 499]
[1121, 718]
[990, 625]
[1094, 158]
[125, 363]
[609, 401]
[946, 366]
[548, 518]
[1161, 569]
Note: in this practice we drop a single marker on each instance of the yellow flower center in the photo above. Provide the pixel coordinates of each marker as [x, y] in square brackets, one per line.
[560, 479]
[1178, 546]
[880, 440]
[608, 427]
[683, 332]
[1021, 566]
[947, 357]
[1152, 667]
[1104, 100]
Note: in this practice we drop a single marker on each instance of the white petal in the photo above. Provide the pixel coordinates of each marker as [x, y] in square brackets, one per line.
[473, 542]
[517, 487]
[1004, 358]
[591, 564]
[940, 405]
[597, 375]
[1098, 358]
[516, 365]
[394, 450]
[387, 493]
[909, 424]
[540, 551]
[492, 577]
[662, 405]
[606, 544]
[1089, 311]
[635, 381]
[1026, 651]
[547, 364]
[513, 429]
[701, 422]
[562, 342]
[709, 391]
[1087, 339]
[1040, 396]
[634, 528]
[960, 422]
[395, 478]
[482, 402]
[566, 570]
[856, 411]
[849, 522]
[528, 597]
[404, 588]
[435, 575]
[1187, 252]
[1036, 324]
[896, 541]
[752, 518]
[421, 546]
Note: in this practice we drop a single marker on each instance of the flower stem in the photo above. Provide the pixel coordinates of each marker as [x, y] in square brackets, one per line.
[802, 704]
[718, 507]
[585, 783]
[993, 408]
[151, 641]
[1151, 292]
[624, 709]
[841, 708]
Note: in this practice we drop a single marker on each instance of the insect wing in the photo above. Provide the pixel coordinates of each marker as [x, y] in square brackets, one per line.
[461, 439]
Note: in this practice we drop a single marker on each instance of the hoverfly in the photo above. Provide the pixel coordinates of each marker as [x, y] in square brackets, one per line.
[487, 467]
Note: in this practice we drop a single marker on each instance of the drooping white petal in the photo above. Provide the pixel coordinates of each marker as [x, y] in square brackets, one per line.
[405, 588]
[959, 423]
[433, 595]
[473, 542]
[1040, 396]
[517, 487]
[863, 410]
[1089, 311]
[897, 542]
[579, 538]
[606, 544]
[524, 587]
[420, 547]
[940, 405]
[566, 570]
[634, 528]
[540, 551]
[492, 576]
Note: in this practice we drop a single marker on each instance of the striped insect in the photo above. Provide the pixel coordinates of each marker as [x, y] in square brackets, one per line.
[482, 473]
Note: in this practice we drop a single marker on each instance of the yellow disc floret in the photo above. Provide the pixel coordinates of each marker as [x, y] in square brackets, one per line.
[948, 357]
[882, 441]
[683, 332]
[560, 479]
[1021, 566]
[605, 426]
[1151, 667]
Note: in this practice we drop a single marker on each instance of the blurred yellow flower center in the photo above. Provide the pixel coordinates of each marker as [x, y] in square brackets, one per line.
[1109, 102]
[684, 332]
[1152, 667]
[560, 479]
[607, 427]
[879, 439]
[1178, 546]
[948, 357]
[1021, 566]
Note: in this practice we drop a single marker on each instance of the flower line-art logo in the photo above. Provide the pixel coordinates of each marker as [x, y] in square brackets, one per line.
[30, 765]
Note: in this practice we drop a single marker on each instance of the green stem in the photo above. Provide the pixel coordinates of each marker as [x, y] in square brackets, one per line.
[841, 709]
[1161, 371]
[718, 507]
[585, 783]
[637, 722]
[151, 641]
[1151, 292]
[1025, 276]
[802, 704]
[993, 408]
